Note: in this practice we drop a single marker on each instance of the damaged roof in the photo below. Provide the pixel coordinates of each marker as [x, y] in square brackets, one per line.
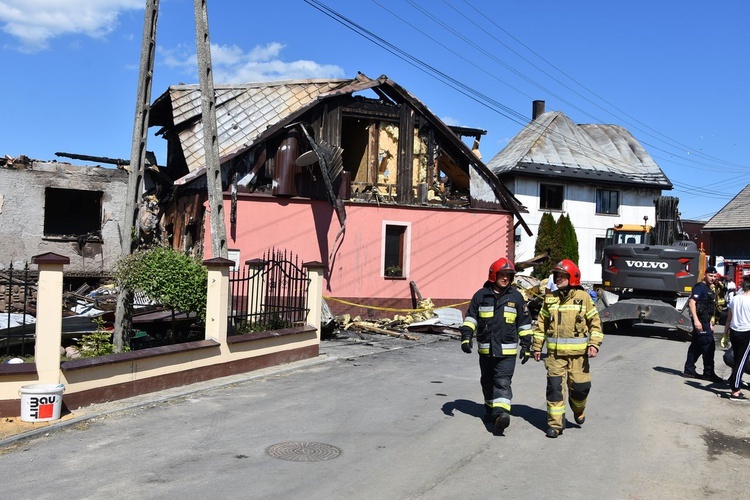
[243, 112]
[553, 145]
[249, 113]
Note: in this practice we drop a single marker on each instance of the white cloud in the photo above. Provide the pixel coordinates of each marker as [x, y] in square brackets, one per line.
[231, 64]
[35, 22]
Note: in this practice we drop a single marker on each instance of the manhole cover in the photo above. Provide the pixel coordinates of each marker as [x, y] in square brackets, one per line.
[303, 451]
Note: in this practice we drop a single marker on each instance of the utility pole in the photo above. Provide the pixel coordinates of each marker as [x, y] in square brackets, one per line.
[210, 134]
[130, 229]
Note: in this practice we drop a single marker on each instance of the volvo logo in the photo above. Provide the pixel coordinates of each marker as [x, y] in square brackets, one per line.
[647, 264]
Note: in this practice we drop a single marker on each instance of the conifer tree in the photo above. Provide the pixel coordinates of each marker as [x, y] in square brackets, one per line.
[565, 241]
[544, 243]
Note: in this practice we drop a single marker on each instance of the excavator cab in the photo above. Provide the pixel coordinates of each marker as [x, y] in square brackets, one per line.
[629, 234]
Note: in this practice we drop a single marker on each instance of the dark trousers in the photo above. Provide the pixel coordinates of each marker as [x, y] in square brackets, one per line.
[741, 350]
[496, 376]
[702, 344]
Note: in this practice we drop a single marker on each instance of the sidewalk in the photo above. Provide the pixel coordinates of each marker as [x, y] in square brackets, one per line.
[344, 345]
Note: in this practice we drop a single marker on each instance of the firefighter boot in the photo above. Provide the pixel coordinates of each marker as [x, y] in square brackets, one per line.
[502, 422]
[553, 433]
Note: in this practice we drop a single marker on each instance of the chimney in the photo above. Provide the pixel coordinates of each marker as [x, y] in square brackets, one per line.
[537, 109]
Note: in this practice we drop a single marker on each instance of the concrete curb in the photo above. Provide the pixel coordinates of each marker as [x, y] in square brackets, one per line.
[334, 350]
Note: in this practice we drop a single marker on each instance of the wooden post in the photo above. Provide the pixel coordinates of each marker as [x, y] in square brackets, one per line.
[49, 316]
[210, 134]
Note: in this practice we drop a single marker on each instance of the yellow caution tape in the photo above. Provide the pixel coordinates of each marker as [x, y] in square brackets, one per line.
[392, 309]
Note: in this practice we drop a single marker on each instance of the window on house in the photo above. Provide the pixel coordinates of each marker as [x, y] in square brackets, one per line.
[599, 252]
[607, 202]
[395, 249]
[72, 212]
[550, 197]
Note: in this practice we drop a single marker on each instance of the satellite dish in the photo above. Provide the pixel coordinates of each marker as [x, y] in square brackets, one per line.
[307, 158]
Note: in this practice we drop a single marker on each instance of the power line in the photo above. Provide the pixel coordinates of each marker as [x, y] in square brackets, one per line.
[674, 143]
[446, 79]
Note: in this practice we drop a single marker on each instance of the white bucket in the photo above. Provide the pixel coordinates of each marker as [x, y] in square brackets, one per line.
[41, 402]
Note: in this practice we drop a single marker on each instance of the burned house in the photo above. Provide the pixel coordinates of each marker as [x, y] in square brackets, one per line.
[53, 207]
[357, 174]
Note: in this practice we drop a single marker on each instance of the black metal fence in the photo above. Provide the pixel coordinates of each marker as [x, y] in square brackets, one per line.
[268, 294]
[18, 292]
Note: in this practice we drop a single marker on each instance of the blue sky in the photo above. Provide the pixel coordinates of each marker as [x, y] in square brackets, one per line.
[673, 72]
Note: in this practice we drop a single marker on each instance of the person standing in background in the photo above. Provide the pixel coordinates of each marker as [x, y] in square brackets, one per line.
[738, 321]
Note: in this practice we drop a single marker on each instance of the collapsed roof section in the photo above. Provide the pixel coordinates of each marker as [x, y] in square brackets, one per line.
[261, 126]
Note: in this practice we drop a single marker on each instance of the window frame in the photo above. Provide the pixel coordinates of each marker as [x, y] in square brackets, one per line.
[542, 191]
[599, 201]
[404, 251]
[599, 244]
[62, 205]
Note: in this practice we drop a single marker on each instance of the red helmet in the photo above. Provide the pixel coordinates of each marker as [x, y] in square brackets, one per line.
[569, 267]
[501, 264]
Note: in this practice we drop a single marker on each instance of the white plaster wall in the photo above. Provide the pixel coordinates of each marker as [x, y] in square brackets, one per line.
[22, 214]
[579, 201]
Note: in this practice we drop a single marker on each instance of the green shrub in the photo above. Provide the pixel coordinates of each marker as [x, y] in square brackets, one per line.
[167, 277]
[98, 343]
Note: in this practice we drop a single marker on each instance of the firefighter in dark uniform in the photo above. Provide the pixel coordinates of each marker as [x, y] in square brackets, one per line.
[500, 318]
[702, 304]
[569, 324]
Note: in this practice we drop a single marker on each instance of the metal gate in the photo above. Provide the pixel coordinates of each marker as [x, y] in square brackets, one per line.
[17, 310]
[268, 294]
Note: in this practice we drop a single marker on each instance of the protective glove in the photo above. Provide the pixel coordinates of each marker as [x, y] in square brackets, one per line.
[466, 342]
[524, 354]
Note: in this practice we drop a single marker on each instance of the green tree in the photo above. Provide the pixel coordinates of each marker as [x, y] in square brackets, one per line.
[565, 240]
[167, 277]
[544, 243]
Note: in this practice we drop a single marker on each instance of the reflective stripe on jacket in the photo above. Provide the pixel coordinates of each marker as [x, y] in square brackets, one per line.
[501, 321]
[568, 322]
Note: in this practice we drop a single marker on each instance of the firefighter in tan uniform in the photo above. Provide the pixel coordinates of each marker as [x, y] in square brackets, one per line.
[569, 324]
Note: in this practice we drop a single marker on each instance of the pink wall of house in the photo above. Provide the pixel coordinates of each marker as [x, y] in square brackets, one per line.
[449, 255]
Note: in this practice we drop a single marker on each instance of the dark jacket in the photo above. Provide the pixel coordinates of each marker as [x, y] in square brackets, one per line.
[500, 321]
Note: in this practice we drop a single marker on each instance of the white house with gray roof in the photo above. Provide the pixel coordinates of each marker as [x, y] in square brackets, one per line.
[599, 175]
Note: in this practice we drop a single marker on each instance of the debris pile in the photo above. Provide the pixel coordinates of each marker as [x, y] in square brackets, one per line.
[425, 319]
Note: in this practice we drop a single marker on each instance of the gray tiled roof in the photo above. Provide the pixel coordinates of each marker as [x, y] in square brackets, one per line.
[555, 145]
[243, 112]
[734, 215]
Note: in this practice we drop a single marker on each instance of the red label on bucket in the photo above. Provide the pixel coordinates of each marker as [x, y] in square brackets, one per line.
[46, 411]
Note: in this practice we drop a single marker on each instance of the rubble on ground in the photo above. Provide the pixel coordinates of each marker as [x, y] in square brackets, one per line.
[424, 319]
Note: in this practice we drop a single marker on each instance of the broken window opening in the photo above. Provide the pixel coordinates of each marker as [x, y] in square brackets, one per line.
[72, 212]
[550, 197]
[395, 249]
[358, 142]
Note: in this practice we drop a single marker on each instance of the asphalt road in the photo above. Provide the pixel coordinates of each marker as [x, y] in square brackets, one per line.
[378, 423]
